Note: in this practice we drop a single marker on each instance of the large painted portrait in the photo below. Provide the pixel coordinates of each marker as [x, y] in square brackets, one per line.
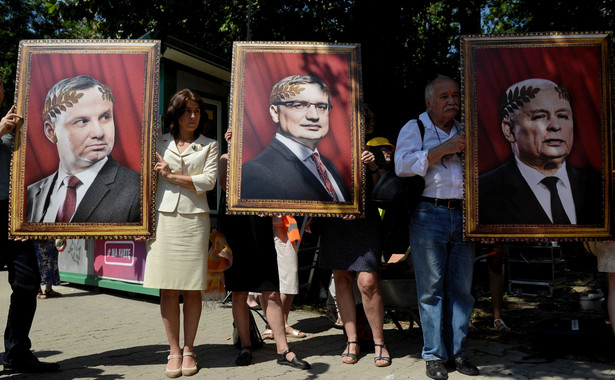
[538, 119]
[296, 121]
[83, 155]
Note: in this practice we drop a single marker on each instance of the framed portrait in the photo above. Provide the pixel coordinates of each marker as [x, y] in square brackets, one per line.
[83, 155]
[297, 129]
[538, 118]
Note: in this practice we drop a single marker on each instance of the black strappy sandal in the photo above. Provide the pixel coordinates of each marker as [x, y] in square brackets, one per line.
[380, 357]
[349, 354]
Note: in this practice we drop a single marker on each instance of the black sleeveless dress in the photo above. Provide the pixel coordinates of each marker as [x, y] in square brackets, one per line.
[255, 266]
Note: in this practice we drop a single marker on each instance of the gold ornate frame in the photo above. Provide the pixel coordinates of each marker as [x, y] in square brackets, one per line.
[108, 61]
[257, 66]
[489, 61]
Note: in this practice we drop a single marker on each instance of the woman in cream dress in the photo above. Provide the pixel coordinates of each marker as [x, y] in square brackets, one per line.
[177, 258]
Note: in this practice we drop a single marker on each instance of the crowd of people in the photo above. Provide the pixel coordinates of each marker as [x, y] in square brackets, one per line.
[264, 246]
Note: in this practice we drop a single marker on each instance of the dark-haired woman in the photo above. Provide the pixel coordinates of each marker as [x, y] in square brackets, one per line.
[176, 261]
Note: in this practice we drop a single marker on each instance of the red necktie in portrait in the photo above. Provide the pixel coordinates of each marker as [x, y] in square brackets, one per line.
[65, 213]
[323, 175]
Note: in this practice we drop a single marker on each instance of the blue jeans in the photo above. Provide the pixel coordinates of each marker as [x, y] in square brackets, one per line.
[443, 265]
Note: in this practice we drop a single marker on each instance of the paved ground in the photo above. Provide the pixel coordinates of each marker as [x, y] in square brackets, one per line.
[105, 335]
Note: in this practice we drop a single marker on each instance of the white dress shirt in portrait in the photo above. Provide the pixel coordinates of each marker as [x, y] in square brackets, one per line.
[533, 178]
[58, 193]
[305, 155]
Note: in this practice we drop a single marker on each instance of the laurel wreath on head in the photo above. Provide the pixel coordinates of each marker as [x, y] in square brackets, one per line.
[515, 98]
[106, 93]
[563, 93]
[281, 92]
[54, 106]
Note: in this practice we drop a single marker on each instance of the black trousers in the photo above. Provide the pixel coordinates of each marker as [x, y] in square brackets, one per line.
[25, 279]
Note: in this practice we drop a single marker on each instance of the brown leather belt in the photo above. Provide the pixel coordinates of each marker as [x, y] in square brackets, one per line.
[453, 204]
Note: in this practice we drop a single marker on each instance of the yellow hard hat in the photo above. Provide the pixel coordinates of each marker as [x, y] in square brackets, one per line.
[380, 141]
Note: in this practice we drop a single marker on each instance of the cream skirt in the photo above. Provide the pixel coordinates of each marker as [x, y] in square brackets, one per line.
[177, 258]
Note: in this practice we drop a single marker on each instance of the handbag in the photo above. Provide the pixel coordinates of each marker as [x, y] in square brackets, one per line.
[393, 192]
[219, 259]
[256, 340]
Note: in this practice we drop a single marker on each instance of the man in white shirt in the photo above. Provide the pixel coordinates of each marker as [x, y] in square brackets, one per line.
[89, 185]
[443, 261]
[537, 186]
[291, 166]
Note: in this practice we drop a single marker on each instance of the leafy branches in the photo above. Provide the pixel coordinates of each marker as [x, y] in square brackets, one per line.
[59, 103]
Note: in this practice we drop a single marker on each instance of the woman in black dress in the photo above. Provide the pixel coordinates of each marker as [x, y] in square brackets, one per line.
[353, 245]
[254, 269]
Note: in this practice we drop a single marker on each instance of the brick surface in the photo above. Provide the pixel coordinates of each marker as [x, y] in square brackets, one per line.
[110, 335]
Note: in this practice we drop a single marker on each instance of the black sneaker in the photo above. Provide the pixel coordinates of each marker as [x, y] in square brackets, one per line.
[436, 370]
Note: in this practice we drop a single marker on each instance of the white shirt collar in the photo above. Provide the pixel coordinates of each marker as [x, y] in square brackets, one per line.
[533, 176]
[304, 154]
[300, 150]
[86, 176]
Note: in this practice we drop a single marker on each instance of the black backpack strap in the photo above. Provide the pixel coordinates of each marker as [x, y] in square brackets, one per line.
[422, 129]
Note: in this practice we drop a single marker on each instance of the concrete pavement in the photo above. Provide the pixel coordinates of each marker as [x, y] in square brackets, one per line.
[109, 335]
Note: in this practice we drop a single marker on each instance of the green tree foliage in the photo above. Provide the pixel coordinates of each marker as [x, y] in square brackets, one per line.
[18, 20]
[547, 15]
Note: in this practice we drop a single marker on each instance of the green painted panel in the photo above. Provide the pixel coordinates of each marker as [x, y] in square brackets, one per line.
[83, 279]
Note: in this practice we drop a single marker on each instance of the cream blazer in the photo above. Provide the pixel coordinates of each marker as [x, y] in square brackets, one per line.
[199, 160]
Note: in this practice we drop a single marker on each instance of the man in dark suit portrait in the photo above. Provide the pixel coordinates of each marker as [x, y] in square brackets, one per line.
[537, 186]
[89, 185]
[291, 167]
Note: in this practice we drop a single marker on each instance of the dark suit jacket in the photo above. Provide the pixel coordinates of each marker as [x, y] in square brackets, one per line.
[276, 173]
[113, 197]
[504, 197]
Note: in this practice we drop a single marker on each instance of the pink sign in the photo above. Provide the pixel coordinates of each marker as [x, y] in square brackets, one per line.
[120, 260]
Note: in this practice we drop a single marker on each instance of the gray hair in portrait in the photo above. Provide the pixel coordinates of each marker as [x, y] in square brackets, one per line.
[64, 94]
[523, 92]
[290, 86]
